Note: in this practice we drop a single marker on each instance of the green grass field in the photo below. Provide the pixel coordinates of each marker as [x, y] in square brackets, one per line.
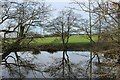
[57, 40]
[76, 42]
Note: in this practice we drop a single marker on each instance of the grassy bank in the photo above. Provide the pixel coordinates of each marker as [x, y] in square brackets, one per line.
[57, 40]
[76, 42]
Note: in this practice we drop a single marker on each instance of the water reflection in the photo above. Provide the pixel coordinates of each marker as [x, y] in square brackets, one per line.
[17, 67]
[63, 64]
[66, 68]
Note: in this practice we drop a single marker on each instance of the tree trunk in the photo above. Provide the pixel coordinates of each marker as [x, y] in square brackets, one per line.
[21, 34]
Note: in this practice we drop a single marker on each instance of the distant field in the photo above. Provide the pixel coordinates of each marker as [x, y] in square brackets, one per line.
[76, 42]
[57, 40]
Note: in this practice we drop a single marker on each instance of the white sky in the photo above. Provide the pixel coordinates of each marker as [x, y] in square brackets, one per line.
[58, 0]
[67, 0]
[62, 4]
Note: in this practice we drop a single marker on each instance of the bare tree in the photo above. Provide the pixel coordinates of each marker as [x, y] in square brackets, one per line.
[17, 18]
[104, 23]
[103, 19]
[65, 24]
[22, 17]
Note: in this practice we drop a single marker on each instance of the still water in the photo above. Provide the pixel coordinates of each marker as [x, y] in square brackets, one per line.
[70, 64]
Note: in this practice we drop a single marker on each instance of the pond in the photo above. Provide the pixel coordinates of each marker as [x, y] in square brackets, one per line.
[62, 64]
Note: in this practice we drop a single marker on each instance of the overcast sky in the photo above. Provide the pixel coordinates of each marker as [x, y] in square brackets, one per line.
[62, 4]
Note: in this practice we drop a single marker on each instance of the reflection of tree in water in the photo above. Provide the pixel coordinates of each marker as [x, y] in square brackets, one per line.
[108, 68]
[64, 68]
[60, 68]
[21, 67]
